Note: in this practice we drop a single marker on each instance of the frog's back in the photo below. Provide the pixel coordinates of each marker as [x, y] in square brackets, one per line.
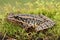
[38, 22]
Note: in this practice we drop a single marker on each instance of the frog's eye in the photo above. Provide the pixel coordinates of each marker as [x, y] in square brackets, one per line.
[16, 17]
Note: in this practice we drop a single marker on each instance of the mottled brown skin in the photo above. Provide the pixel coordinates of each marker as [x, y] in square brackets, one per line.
[28, 21]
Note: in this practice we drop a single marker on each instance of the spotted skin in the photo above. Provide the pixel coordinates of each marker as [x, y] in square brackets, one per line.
[38, 22]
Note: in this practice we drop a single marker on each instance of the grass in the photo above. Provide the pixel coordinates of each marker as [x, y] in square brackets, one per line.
[50, 8]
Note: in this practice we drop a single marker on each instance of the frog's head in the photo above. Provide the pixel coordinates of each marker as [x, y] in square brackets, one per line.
[11, 17]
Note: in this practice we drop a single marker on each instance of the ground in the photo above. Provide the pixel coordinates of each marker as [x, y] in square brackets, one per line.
[49, 8]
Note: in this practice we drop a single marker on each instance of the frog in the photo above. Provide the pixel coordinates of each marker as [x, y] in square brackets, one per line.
[31, 21]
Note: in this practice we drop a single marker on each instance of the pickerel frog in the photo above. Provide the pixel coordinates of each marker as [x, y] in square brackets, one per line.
[28, 21]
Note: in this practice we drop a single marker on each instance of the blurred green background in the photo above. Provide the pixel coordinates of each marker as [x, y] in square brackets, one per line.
[49, 8]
